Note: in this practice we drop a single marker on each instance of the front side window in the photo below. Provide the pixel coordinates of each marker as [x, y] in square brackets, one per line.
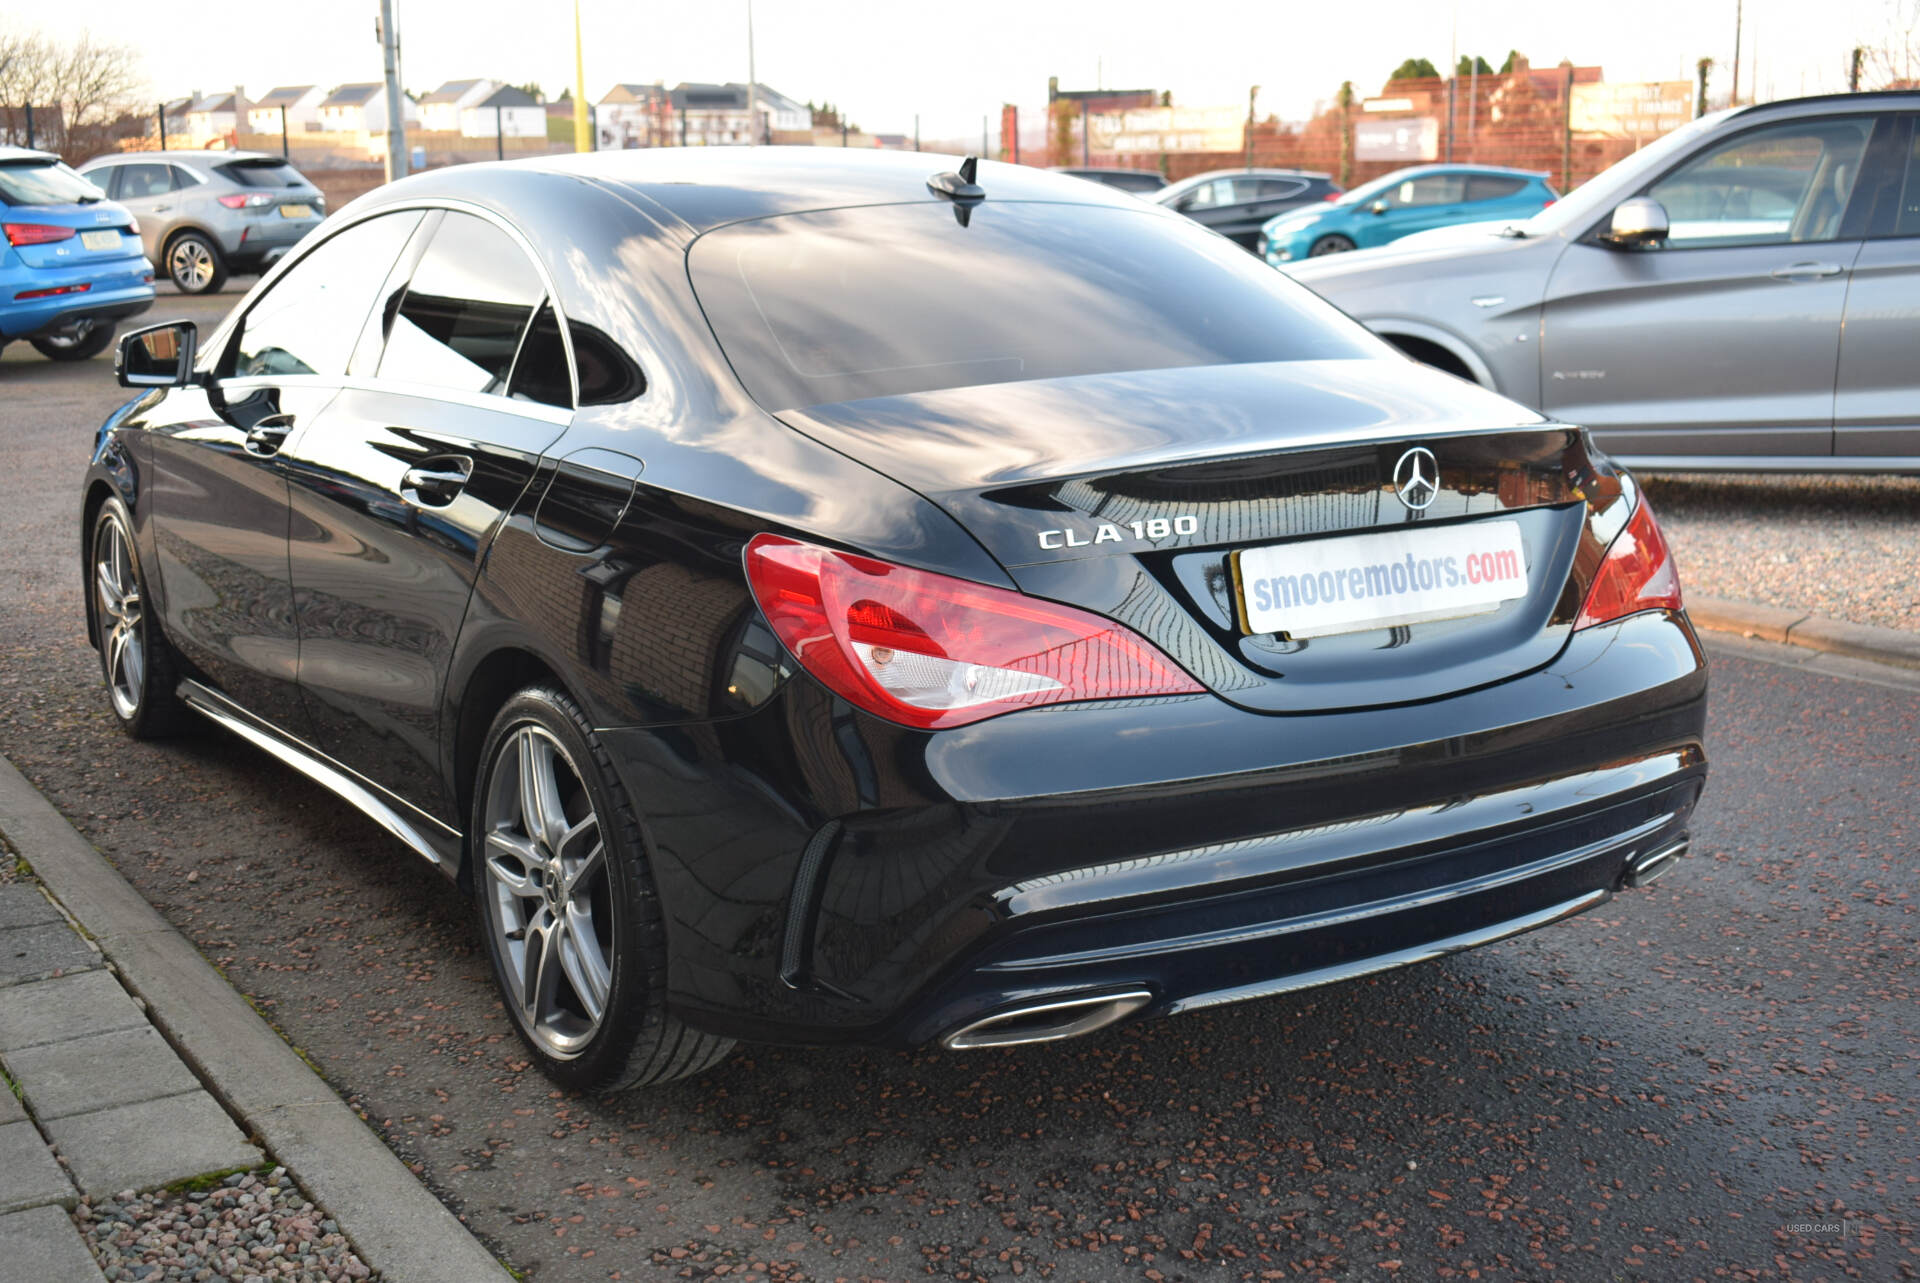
[460, 322]
[1785, 184]
[892, 300]
[310, 320]
[1908, 221]
[145, 179]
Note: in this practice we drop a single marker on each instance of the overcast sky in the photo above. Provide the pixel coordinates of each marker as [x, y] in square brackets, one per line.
[885, 60]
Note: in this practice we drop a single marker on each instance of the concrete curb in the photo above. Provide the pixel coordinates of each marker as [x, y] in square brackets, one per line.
[1811, 632]
[393, 1221]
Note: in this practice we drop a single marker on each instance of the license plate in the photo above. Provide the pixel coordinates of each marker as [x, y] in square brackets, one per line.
[296, 211]
[100, 240]
[1321, 587]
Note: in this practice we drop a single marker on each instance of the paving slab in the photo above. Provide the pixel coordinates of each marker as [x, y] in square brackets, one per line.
[34, 953]
[155, 1143]
[10, 1108]
[28, 1175]
[22, 905]
[90, 1002]
[42, 1246]
[105, 1071]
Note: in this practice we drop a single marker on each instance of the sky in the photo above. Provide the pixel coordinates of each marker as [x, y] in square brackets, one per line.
[885, 61]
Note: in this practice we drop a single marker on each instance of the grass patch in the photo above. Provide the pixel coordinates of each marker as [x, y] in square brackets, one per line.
[12, 1086]
[210, 1180]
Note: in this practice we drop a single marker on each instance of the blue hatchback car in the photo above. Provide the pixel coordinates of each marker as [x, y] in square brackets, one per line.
[1401, 203]
[71, 265]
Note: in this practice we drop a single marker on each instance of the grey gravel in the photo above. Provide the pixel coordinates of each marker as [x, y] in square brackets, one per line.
[1845, 547]
[250, 1227]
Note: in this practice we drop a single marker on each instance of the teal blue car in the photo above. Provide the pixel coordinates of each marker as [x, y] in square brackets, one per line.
[1399, 204]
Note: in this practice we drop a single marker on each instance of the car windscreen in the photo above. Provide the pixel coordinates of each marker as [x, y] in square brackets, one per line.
[39, 182]
[890, 300]
[261, 173]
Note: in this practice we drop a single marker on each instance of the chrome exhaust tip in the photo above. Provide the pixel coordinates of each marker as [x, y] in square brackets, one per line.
[1645, 870]
[1047, 1021]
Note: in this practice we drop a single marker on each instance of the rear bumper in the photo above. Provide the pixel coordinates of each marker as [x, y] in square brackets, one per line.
[831, 878]
[255, 244]
[46, 316]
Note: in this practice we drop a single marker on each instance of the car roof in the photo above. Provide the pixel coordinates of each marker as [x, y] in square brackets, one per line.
[208, 157]
[1446, 167]
[1241, 172]
[1101, 169]
[17, 154]
[705, 187]
[1826, 104]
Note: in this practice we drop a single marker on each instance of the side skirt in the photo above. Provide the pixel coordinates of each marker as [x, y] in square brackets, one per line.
[427, 836]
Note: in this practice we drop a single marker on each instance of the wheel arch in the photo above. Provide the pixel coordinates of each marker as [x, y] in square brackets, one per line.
[182, 229]
[1423, 342]
[495, 678]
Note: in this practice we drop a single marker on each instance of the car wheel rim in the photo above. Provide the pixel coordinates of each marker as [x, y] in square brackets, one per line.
[550, 907]
[122, 648]
[1325, 248]
[191, 265]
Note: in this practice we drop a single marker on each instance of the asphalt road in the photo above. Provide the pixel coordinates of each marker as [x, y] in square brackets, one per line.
[1714, 1078]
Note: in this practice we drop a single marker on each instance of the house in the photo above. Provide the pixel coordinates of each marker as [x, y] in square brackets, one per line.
[636, 116]
[300, 102]
[362, 109]
[441, 110]
[508, 112]
[707, 115]
[213, 116]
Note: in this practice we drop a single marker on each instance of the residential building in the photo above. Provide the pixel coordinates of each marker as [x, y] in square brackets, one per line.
[708, 115]
[440, 111]
[362, 109]
[213, 116]
[301, 103]
[508, 112]
[633, 115]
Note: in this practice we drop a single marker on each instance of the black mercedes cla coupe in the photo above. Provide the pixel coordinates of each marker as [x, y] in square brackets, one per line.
[814, 597]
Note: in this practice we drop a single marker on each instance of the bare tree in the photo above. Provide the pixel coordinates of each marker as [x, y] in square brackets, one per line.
[1892, 58]
[83, 92]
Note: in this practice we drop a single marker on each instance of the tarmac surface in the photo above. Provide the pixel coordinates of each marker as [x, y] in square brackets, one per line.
[1711, 1078]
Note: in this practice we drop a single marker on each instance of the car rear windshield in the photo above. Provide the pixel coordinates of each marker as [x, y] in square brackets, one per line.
[891, 300]
[261, 173]
[39, 182]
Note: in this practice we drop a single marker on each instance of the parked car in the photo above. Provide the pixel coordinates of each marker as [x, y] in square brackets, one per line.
[1688, 304]
[208, 215]
[70, 263]
[895, 616]
[1236, 202]
[1401, 203]
[1137, 181]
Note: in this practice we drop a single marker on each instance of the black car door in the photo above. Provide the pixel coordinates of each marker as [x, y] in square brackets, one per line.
[455, 393]
[219, 499]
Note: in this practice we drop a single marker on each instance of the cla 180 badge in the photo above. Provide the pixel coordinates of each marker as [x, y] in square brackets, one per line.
[1108, 532]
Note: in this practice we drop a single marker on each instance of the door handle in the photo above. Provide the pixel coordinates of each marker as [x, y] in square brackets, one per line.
[267, 436]
[1799, 271]
[436, 483]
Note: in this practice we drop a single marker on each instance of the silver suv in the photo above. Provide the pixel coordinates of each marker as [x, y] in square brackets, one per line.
[207, 215]
[1689, 304]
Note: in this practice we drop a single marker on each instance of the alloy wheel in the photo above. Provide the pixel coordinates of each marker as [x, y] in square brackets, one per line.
[549, 899]
[190, 264]
[122, 641]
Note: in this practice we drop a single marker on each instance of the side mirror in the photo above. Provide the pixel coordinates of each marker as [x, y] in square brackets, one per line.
[1378, 207]
[1637, 224]
[159, 356]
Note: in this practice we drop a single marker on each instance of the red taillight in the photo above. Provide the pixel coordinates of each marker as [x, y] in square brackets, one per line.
[36, 233]
[1637, 574]
[246, 200]
[53, 291]
[1331, 197]
[1548, 203]
[930, 651]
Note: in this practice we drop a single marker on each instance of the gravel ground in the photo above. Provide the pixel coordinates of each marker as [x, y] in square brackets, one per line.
[1846, 547]
[249, 1227]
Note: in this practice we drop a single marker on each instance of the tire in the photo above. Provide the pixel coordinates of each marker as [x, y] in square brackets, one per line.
[561, 874]
[1335, 244]
[90, 340]
[194, 265]
[139, 667]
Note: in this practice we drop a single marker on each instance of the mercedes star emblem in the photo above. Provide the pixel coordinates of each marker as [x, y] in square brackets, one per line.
[1416, 478]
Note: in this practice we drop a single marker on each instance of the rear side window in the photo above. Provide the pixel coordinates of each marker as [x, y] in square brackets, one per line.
[261, 173]
[461, 320]
[39, 182]
[1488, 187]
[1434, 189]
[897, 299]
[311, 318]
[1280, 188]
[1908, 223]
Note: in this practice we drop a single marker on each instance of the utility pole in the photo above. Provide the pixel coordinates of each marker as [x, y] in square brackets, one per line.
[284, 153]
[499, 132]
[753, 87]
[30, 129]
[161, 112]
[916, 131]
[1853, 72]
[582, 135]
[1734, 101]
[396, 105]
[1252, 94]
[983, 137]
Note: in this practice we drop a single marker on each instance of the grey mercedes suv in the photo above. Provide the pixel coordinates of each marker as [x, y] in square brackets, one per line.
[206, 215]
[1743, 294]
